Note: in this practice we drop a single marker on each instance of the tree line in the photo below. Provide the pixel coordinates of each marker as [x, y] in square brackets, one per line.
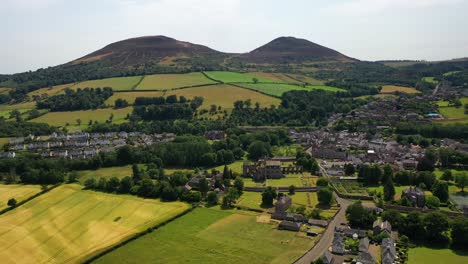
[81, 99]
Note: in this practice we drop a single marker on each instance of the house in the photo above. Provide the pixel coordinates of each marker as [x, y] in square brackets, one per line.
[283, 203]
[262, 170]
[365, 258]
[279, 215]
[415, 196]
[194, 182]
[214, 135]
[327, 258]
[349, 232]
[409, 164]
[316, 222]
[378, 227]
[288, 225]
[294, 217]
[338, 246]
[364, 244]
[388, 251]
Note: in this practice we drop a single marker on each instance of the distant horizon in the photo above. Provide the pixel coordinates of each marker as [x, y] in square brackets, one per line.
[47, 33]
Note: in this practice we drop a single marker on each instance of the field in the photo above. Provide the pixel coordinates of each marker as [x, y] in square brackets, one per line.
[254, 199]
[285, 151]
[276, 77]
[51, 91]
[101, 115]
[225, 96]
[235, 167]
[21, 106]
[398, 190]
[430, 80]
[16, 191]
[171, 81]
[291, 179]
[4, 141]
[68, 224]
[107, 173]
[279, 89]
[401, 89]
[131, 96]
[436, 256]
[118, 83]
[4, 90]
[213, 236]
[453, 112]
[235, 77]
[307, 79]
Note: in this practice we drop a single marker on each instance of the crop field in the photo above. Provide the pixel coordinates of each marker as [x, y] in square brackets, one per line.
[278, 89]
[51, 91]
[171, 81]
[225, 96]
[118, 83]
[107, 173]
[401, 89]
[16, 191]
[436, 256]
[213, 236]
[235, 77]
[60, 119]
[68, 224]
[131, 96]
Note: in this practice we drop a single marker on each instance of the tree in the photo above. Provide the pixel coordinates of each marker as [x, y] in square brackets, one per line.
[168, 193]
[254, 80]
[268, 195]
[412, 226]
[239, 185]
[323, 182]
[325, 196]
[392, 216]
[78, 122]
[292, 189]
[137, 177]
[102, 184]
[387, 174]
[212, 198]
[440, 190]
[436, 224]
[146, 188]
[258, 149]
[72, 177]
[126, 184]
[447, 175]
[462, 181]
[359, 216]
[432, 202]
[203, 186]
[113, 184]
[460, 233]
[349, 169]
[389, 190]
[12, 202]
[90, 183]
[226, 174]
[229, 198]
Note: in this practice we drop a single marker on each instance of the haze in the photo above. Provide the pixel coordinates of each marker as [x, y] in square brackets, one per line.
[42, 33]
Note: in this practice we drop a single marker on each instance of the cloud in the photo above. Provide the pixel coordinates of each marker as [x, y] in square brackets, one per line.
[25, 4]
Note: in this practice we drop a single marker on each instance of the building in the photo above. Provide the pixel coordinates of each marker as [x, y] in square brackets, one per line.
[365, 258]
[364, 245]
[415, 196]
[338, 246]
[214, 135]
[379, 227]
[316, 222]
[283, 203]
[268, 169]
[388, 251]
[291, 226]
[327, 258]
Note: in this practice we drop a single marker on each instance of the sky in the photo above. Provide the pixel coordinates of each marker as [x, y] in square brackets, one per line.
[42, 33]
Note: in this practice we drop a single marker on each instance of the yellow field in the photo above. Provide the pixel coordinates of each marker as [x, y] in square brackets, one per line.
[67, 224]
[16, 191]
[22, 106]
[225, 96]
[119, 172]
[401, 89]
[171, 81]
[118, 83]
[60, 119]
[51, 91]
[131, 96]
[4, 90]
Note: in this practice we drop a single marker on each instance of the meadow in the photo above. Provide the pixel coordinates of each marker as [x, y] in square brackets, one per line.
[21, 106]
[4, 90]
[278, 90]
[236, 77]
[224, 96]
[396, 88]
[51, 91]
[213, 236]
[117, 83]
[67, 224]
[17, 191]
[436, 256]
[107, 173]
[277, 77]
[430, 80]
[452, 112]
[131, 96]
[171, 81]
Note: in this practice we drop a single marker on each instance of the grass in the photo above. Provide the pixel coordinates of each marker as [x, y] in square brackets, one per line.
[60, 119]
[306, 79]
[452, 112]
[225, 96]
[235, 77]
[213, 236]
[51, 91]
[4, 141]
[276, 77]
[291, 179]
[118, 83]
[17, 191]
[436, 256]
[451, 73]
[396, 88]
[279, 89]
[4, 90]
[430, 80]
[285, 151]
[67, 224]
[107, 173]
[131, 96]
[235, 167]
[171, 81]
[398, 190]
[21, 106]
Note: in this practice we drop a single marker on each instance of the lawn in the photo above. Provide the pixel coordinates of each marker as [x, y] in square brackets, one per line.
[213, 236]
[68, 224]
[398, 190]
[171, 81]
[278, 89]
[286, 151]
[131, 96]
[430, 80]
[118, 83]
[436, 256]
[235, 77]
[235, 167]
[107, 173]
[225, 96]
[453, 112]
[396, 88]
[60, 119]
[254, 199]
[17, 191]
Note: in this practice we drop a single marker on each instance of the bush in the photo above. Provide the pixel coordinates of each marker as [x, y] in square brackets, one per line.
[322, 182]
[432, 202]
[12, 202]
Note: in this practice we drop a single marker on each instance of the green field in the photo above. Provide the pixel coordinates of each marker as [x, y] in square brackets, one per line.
[254, 199]
[131, 96]
[235, 167]
[278, 89]
[107, 173]
[213, 236]
[171, 81]
[430, 80]
[118, 83]
[16, 191]
[225, 95]
[436, 256]
[68, 224]
[398, 190]
[292, 179]
[396, 88]
[21, 106]
[452, 112]
[285, 151]
[235, 77]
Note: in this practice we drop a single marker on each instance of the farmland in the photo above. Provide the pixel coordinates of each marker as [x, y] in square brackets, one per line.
[21, 106]
[68, 224]
[213, 236]
[235, 77]
[430, 80]
[107, 173]
[396, 88]
[131, 96]
[171, 81]
[436, 256]
[452, 112]
[4, 90]
[118, 83]
[279, 89]
[254, 199]
[224, 96]
[16, 191]
[51, 91]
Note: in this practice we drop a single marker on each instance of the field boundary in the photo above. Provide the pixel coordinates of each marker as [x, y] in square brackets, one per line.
[29, 198]
[208, 77]
[166, 90]
[138, 83]
[109, 249]
[238, 86]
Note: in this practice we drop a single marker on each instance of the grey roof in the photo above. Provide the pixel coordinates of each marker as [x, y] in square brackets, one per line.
[366, 258]
[364, 244]
[388, 251]
[338, 245]
[327, 257]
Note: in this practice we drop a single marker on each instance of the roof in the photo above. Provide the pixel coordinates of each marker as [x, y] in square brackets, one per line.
[327, 257]
[413, 190]
[364, 244]
[366, 258]
[317, 222]
[338, 245]
[273, 163]
[289, 225]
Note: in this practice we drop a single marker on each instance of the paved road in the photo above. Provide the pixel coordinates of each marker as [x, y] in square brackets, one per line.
[327, 237]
